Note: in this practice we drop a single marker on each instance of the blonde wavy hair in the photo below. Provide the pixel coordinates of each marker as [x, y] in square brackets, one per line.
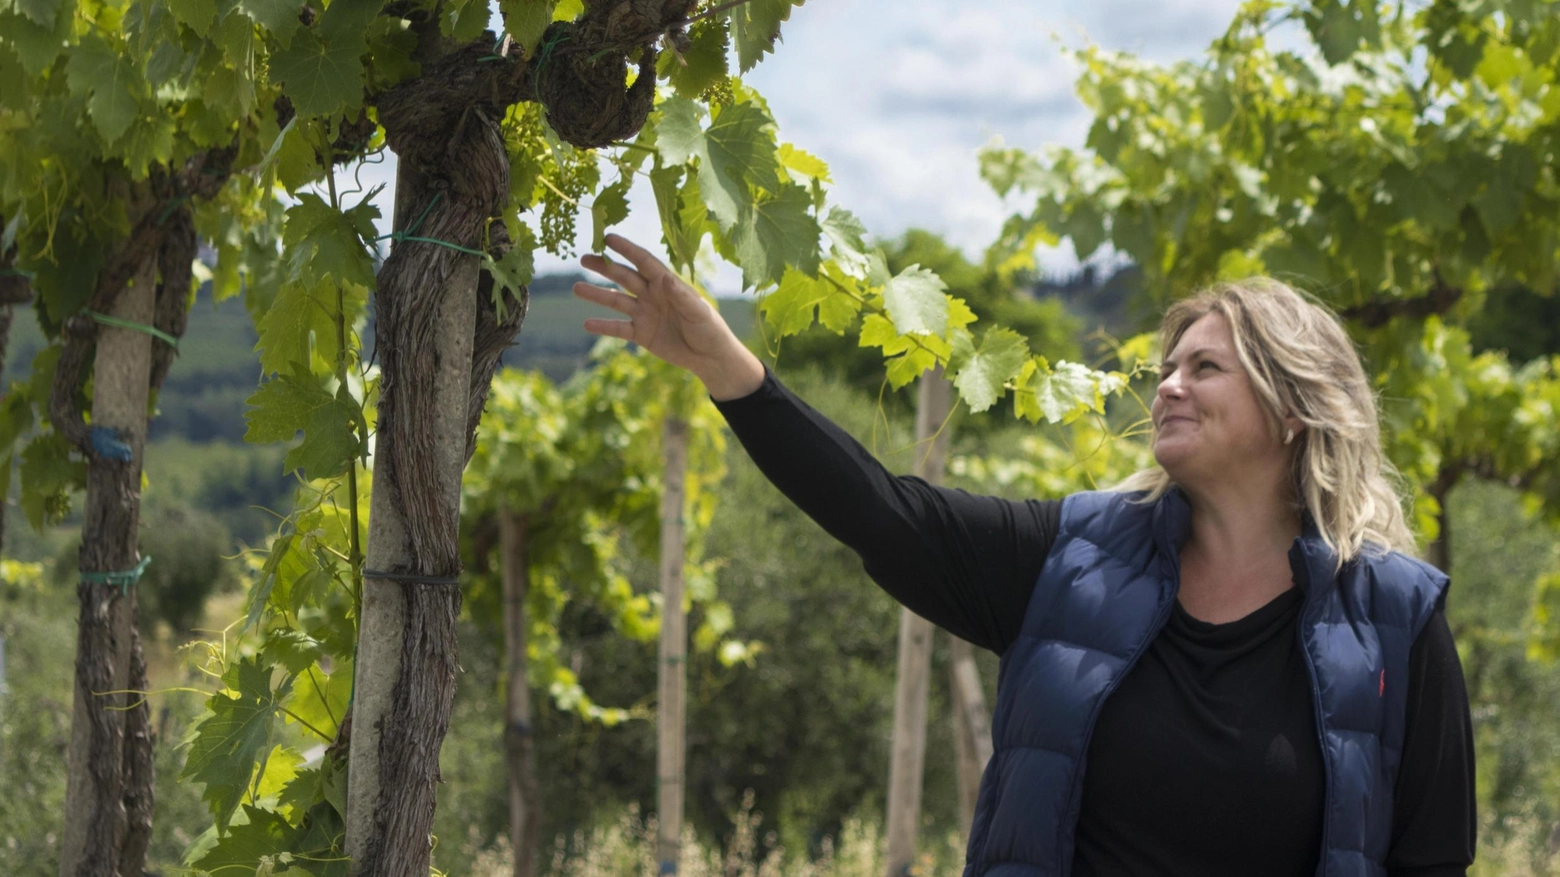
[1301, 361]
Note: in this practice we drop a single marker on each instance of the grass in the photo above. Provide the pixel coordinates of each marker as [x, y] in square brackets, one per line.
[628, 847]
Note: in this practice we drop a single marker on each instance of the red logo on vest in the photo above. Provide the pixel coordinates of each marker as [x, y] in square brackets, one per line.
[1382, 690]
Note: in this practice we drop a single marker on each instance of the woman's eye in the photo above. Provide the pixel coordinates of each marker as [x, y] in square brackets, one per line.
[1207, 364]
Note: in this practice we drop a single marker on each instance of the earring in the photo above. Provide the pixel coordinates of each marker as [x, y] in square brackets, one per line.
[1289, 436]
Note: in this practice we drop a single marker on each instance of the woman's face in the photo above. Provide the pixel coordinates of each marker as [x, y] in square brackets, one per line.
[1209, 424]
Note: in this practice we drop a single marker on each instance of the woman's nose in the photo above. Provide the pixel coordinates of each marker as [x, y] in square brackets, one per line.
[1170, 386]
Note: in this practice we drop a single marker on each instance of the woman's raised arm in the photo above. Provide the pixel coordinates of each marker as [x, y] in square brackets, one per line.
[965, 562]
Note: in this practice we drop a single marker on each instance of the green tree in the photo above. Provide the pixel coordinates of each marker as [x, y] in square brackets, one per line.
[1399, 192]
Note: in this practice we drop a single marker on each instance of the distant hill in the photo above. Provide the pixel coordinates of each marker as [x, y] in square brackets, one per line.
[217, 368]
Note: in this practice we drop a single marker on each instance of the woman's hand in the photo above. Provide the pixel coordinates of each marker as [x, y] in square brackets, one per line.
[670, 319]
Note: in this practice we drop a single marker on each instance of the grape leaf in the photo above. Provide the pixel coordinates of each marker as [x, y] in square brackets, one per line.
[679, 136]
[37, 46]
[683, 214]
[839, 310]
[791, 307]
[229, 742]
[914, 363]
[48, 476]
[40, 12]
[291, 402]
[755, 26]
[320, 698]
[916, 301]
[331, 438]
[293, 649]
[278, 17]
[525, 20]
[98, 70]
[514, 271]
[322, 78]
[261, 841]
[609, 209]
[846, 234]
[777, 231]
[323, 242]
[299, 314]
[703, 65]
[197, 15]
[739, 151]
[803, 163]
[283, 406]
[1002, 353]
[1065, 392]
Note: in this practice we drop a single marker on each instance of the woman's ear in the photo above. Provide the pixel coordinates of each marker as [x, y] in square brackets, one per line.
[1293, 426]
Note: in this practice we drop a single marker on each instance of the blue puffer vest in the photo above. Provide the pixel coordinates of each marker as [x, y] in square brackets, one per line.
[1104, 593]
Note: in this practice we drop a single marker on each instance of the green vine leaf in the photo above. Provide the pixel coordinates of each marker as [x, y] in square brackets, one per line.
[917, 302]
[982, 379]
[755, 27]
[777, 231]
[331, 423]
[229, 742]
[322, 78]
[109, 78]
[703, 65]
[278, 17]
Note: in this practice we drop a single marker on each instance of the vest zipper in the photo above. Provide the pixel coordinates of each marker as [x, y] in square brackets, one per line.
[1074, 805]
[1321, 734]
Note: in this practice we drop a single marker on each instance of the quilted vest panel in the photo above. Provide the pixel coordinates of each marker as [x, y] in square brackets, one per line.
[1104, 593]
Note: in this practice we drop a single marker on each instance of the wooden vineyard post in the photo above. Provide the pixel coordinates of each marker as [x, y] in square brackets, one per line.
[525, 814]
[671, 718]
[971, 725]
[933, 403]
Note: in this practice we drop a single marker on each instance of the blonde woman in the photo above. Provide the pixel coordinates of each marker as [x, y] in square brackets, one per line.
[1230, 666]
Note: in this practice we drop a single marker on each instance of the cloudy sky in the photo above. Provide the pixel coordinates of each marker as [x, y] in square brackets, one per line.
[898, 96]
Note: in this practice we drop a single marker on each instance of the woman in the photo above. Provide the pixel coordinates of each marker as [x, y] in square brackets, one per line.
[1227, 667]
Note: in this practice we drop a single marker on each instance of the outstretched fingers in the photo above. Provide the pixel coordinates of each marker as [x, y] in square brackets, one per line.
[649, 266]
[616, 328]
[620, 274]
[621, 302]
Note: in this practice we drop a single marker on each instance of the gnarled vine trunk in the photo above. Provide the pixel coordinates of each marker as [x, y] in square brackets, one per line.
[96, 817]
[109, 788]
[454, 175]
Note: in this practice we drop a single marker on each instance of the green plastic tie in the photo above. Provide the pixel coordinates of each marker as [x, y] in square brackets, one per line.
[542, 57]
[153, 331]
[410, 234]
[123, 579]
[401, 236]
[171, 206]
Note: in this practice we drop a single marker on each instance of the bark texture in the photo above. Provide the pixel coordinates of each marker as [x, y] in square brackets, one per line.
[454, 173]
[109, 790]
[96, 817]
[907, 767]
[525, 802]
[439, 338]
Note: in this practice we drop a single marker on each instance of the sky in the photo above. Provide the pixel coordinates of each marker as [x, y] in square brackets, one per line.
[897, 97]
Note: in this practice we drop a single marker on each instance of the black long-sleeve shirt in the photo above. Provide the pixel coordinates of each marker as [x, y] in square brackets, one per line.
[1205, 760]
